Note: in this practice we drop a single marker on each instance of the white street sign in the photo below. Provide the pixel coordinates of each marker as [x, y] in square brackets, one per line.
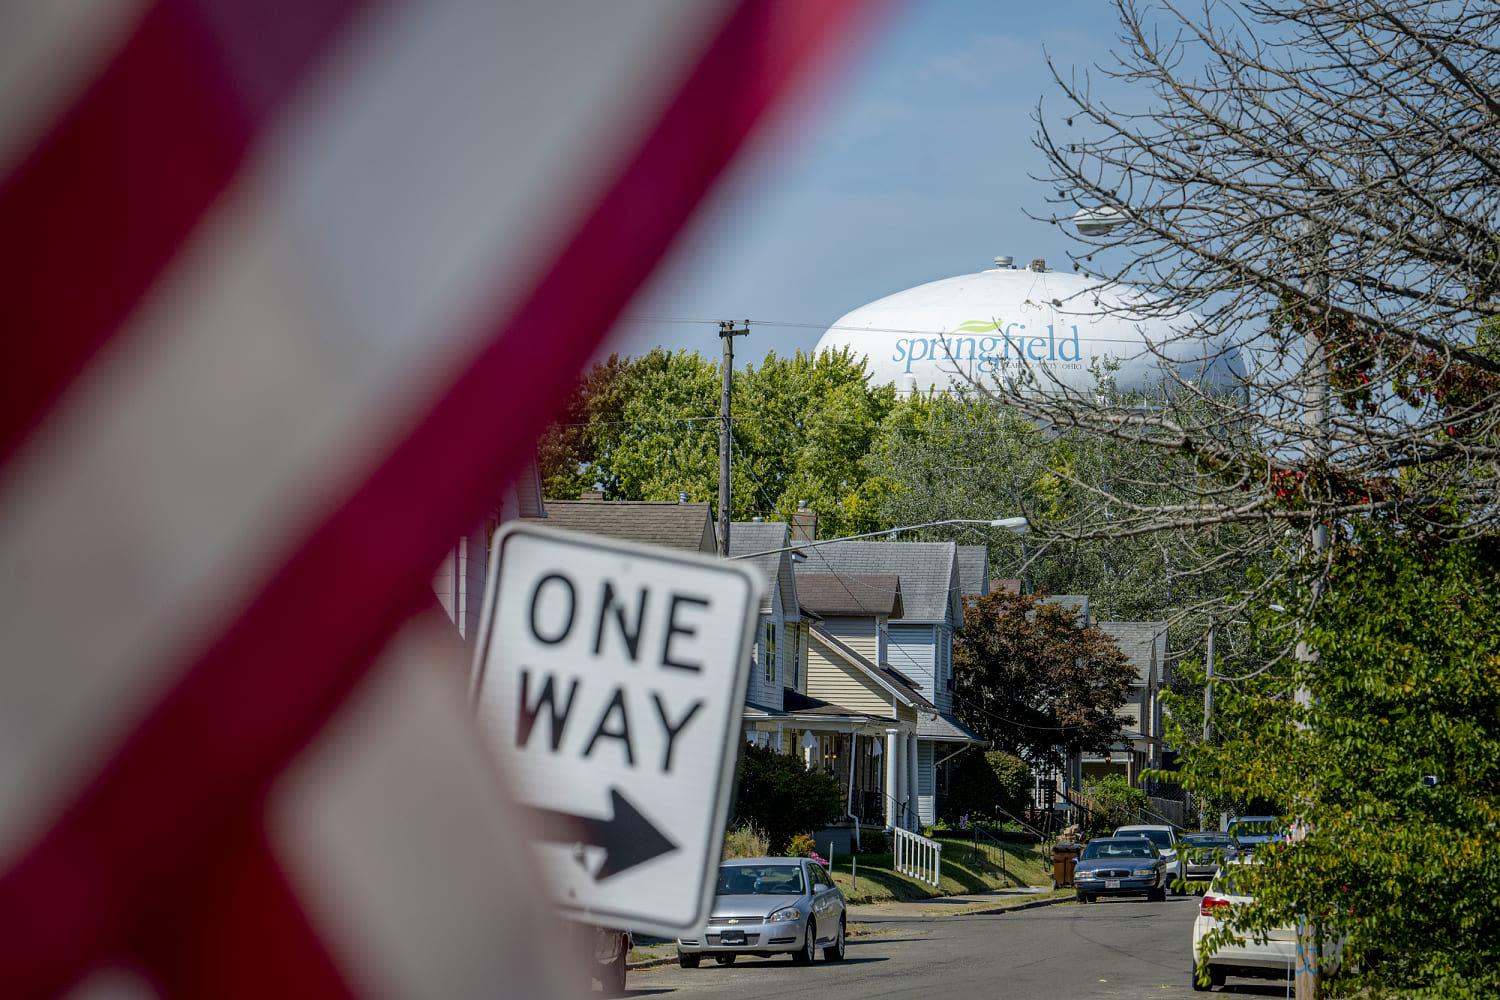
[610, 679]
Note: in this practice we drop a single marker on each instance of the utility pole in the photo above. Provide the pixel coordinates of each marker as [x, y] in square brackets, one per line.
[1315, 456]
[727, 332]
[1208, 707]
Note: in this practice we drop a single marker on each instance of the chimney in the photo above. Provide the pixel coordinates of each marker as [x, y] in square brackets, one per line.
[1038, 264]
[804, 524]
[593, 496]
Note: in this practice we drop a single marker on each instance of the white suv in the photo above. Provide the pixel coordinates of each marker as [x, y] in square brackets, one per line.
[1166, 842]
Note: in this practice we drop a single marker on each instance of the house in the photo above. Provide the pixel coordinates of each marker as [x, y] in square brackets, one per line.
[915, 645]
[781, 634]
[460, 579]
[814, 696]
[1145, 646]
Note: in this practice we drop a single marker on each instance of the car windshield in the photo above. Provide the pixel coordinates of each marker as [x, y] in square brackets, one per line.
[1254, 828]
[748, 880]
[1161, 838]
[1124, 848]
[1208, 840]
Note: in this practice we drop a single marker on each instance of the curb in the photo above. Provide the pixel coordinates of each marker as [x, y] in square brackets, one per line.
[1033, 904]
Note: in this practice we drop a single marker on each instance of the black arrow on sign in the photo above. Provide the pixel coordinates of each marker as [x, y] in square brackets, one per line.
[628, 838]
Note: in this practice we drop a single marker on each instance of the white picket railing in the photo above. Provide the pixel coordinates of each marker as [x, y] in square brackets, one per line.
[918, 856]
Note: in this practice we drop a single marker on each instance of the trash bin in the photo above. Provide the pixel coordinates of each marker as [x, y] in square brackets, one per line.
[1064, 860]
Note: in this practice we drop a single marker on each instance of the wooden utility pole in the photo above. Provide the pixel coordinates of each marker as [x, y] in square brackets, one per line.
[727, 332]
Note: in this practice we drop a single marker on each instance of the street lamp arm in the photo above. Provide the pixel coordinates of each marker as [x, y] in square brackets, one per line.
[1018, 525]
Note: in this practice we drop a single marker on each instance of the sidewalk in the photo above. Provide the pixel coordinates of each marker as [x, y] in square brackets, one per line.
[996, 901]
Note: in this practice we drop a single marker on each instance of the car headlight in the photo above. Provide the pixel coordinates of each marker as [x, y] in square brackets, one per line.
[1084, 875]
[784, 914]
[1140, 872]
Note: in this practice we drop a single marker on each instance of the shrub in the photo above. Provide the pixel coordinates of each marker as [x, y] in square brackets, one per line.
[980, 782]
[874, 842]
[1116, 803]
[782, 797]
[801, 846]
[746, 841]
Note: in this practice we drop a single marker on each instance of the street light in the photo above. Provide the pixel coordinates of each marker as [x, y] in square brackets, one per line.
[1015, 525]
[1099, 221]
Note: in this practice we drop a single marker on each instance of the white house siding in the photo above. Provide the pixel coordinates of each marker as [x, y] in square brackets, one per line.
[913, 651]
[761, 692]
[859, 634]
[926, 783]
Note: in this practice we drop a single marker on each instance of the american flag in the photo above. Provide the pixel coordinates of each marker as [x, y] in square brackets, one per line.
[287, 290]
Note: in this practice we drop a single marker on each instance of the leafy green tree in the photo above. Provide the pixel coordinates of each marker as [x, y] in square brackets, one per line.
[778, 794]
[1391, 767]
[1036, 680]
[982, 781]
[647, 428]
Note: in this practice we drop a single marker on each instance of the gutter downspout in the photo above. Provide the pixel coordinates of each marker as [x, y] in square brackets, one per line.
[849, 799]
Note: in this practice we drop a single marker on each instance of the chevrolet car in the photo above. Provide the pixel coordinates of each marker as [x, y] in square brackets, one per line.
[770, 906]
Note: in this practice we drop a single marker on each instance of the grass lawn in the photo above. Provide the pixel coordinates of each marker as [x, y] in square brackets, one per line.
[965, 868]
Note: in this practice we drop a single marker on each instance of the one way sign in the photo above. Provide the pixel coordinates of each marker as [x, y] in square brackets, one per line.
[610, 679]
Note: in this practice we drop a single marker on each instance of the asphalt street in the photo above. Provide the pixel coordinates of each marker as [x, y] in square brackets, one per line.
[1116, 949]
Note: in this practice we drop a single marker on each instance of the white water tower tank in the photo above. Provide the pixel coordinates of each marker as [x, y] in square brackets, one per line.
[1004, 323]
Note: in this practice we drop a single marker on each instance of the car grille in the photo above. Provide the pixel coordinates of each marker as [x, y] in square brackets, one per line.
[734, 921]
[1112, 873]
[750, 939]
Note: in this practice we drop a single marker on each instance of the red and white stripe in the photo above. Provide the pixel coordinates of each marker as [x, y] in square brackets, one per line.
[288, 288]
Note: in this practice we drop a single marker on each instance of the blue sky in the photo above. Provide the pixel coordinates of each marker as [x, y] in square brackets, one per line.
[910, 165]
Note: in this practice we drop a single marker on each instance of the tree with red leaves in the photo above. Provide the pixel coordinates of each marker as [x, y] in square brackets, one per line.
[1038, 681]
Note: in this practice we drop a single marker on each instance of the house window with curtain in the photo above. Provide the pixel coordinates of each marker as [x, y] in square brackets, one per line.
[770, 648]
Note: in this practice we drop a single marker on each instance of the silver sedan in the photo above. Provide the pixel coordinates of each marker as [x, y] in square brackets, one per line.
[769, 906]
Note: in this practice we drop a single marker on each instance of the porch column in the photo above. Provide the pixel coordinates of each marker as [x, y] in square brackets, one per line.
[911, 780]
[892, 777]
[809, 747]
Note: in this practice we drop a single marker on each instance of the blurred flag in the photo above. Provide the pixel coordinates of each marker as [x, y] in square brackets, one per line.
[287, 289]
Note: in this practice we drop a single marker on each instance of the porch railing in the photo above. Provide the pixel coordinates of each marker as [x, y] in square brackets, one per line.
[918, 856]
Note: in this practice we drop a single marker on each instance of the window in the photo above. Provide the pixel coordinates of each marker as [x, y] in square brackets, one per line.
[770, 649]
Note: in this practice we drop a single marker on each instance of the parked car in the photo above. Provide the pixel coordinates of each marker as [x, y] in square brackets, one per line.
[1165, 840]
[1250, 832]
[769, 906]
[1273, 958]
[1120, 866]
[610, 950]
[1202, 851]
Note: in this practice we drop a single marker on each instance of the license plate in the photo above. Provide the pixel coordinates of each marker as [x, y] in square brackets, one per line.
[732, 937]
[1111, 883]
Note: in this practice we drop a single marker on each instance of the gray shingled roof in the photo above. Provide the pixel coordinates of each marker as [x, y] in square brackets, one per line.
[761, 536]
[1144, 643]
[945, 728]
[687, 526]
[1079, 603]
[974, 570]
[928, 572]
[851, 594]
